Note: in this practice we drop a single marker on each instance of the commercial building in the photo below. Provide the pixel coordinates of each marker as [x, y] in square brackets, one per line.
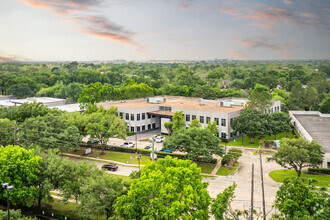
[151, 113]
[47, 101]
[313, 125]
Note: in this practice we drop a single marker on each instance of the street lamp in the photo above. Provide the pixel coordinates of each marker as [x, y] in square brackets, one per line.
[138, 157]
[8, 188]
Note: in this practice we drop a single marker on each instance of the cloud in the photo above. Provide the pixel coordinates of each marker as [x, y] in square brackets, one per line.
[6, 58]
[231, 11]
[287, 2]
[287, 57]
[285, 46]
[237, 54]
[82, 15]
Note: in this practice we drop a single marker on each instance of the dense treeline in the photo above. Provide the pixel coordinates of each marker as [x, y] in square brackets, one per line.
[300, 85]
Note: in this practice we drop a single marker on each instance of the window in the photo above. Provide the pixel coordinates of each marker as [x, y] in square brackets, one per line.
[149, 126]
[208, 119]
[143, 127]
[168, 108]
[223, 122]
[138, 117]
[132, 117]
[187, 117]
[231, 121]
[201, 119]
[154, 125]
[193, 117]
[162, 108]
[271, 110]
[127, 116]
[132, 129]
[121, 114]
[223, 135]
[143, 116]
[137, 128]
[153, 116]
[149, 116]
[216, 120]
[165, 108]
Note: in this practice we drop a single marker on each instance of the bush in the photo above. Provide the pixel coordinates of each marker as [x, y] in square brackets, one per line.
[130, 133]
[319, 170]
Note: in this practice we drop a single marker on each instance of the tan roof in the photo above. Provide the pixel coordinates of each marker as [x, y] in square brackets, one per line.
[159, 112]
[179, 103]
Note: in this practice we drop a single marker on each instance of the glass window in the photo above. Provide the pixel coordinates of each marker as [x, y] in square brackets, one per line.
[231, 121]
[193, 117]
[154, 125]
[223, 135]
[223, 122]
[161, 108]
[143, 116]
[138, 117]
[143, 127]
[132, 117]
[187, 117]
[149, 116]
[127, 116]
[208, 119]
[121, 114]
[132, 128]
[201, 119]
[149, 126]
[216, 120]
[153, 116]
[137, 128]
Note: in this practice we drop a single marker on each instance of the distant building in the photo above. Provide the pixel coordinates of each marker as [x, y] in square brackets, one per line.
[47, 101]
[69, 108]
[7, 97]
[313, 125]
[151, 113]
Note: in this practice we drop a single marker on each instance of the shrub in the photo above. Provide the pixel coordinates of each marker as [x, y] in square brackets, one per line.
[319, 170]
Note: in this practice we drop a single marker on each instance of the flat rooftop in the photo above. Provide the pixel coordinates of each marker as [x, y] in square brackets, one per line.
[177, 102]
[317, 127]
[69, 107]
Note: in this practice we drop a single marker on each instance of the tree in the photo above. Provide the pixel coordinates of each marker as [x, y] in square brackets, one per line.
[278, 122]
[98, 195]
[7, 130]
[21, 90]
[259, 98]
[90, 94]
[137, 91]
[178, 121]
[49, 131]
[19, 168]
[195, 123]
[196, 142]
[297, 154]
[168, 189]
[221, 205]
[212, 127]
[251, 122]
[325, 105]
[14, 214]
[298, 200]
[169, 126]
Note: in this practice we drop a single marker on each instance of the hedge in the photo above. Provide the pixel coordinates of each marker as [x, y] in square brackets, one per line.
[319, 170]
[147, 152]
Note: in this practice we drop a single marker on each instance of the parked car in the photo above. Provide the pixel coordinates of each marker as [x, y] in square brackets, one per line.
[160, 139]
[127, 144]
[150, 139]
[166, 151]
[94, 141]
[148, 147]
[110, 166]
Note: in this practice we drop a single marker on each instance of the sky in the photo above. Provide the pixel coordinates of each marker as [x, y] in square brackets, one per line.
[92, 30]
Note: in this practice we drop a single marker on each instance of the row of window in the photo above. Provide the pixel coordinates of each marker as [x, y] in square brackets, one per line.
[201, 119]
[142, 127]
[138, 116]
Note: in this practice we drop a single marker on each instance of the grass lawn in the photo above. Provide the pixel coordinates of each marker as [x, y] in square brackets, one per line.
[246, 140]
[124, 178]
[224, 171]
[206, 168]
[280, 175]
[262, 152]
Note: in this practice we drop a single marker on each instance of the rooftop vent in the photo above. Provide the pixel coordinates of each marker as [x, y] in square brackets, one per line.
[226, 104]
[202, 103]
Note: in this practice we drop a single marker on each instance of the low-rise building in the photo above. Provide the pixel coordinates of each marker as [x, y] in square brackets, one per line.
[47, 101]
[313, 125]
[151, 113]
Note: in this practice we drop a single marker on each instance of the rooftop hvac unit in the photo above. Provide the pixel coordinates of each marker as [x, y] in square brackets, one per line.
[156, 100]
[226, 104]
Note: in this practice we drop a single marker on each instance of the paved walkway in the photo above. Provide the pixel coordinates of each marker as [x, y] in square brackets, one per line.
[216, 168]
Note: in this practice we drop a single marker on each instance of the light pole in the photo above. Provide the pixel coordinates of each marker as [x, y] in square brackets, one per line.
[139, 157]
[8, 188]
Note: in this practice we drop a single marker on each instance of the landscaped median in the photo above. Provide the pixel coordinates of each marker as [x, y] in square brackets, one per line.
[280, 175]
[227, 170]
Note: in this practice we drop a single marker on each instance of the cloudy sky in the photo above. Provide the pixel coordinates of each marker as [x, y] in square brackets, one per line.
[87, 30]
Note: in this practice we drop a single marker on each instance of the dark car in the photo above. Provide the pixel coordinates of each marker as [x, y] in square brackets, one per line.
[111, 167]
[93, 141]
[148, 147]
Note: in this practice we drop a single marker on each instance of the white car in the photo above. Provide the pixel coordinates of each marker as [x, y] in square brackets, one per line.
[127, 144]
[155, 136]
[160, 139]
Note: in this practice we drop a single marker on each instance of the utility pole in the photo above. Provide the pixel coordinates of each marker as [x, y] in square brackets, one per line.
[153, 149]
[252, 188]
[15, 133]
[136, 142]
[262, 187]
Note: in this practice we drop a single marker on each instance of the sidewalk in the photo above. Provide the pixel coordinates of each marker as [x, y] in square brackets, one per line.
[216, 168]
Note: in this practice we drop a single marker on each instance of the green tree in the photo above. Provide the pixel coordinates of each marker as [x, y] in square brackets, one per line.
[14, 214]
[195, 123]
[90, 94]
[169, 126]
[178, 121]
[21, 90]
[196, 142]
[251, 122]
[260, 98]
[297, 154]
[72, 91]
[221, 205]
[19, 168]
[278, 122]
[7, 131]
[213, 128]
[49, 131]
[168, 189]
[325, 105]
[298, 200]
[98, 195]
[137, 91]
